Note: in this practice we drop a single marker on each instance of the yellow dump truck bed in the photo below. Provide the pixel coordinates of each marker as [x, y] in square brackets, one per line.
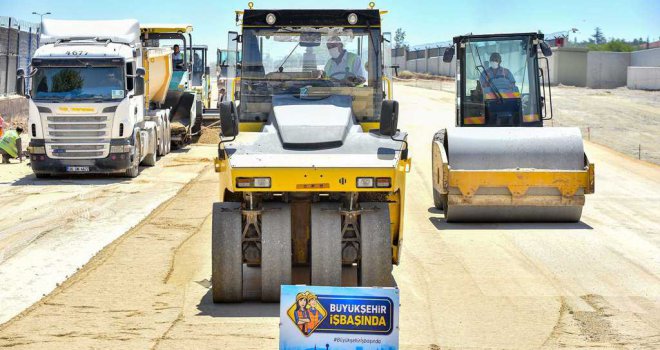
[158, 64]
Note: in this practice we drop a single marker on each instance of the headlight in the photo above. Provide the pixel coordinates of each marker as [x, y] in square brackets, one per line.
[37, 150]
[120, 149]
[352, 19]
[383, 182]
[270, 19]
[363, 182]
[253, 182]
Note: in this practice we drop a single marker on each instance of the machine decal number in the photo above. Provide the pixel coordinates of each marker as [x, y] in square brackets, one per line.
[342, 181]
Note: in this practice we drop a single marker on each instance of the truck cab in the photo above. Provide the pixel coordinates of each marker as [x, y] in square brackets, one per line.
[86, 102]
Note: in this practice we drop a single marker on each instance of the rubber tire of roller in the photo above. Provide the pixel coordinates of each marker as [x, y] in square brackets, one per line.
[226, 253]
[275, 250]
[326, 244]
[375, 269]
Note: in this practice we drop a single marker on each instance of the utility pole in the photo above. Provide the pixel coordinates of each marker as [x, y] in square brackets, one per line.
[41, 24]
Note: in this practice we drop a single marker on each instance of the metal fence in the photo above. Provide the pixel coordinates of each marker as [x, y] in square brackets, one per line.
[18, 41]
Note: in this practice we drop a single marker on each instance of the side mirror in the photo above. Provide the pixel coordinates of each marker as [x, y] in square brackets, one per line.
[448, 55]
[140, 72]
[389, 117]
[207, 70]
[138, 90]
[228, 119]
[547, 51]
[20, 82]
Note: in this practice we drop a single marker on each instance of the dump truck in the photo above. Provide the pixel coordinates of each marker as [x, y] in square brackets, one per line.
[96, 103]
[311, 166]
[181, 98]
[499, 163]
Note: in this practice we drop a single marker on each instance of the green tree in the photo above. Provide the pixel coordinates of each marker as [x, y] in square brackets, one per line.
[67, 80]
[400, 38]
[614, 45]
[598, 37]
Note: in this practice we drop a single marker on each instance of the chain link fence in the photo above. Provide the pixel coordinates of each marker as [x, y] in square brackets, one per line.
[18, 41]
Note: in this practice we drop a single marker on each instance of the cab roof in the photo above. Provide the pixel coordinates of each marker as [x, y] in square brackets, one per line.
[166, 28]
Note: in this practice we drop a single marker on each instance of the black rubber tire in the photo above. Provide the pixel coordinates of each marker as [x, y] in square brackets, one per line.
[375, 268]
[326, 244]
[150, 159]
[134, 170]
[197, 127]
[226, 253]
[275, 250]
[41, 175]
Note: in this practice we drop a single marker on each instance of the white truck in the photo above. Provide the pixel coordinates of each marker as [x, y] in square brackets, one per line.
[96, 102]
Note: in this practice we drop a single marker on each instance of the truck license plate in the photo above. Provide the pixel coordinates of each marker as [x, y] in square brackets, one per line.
[77, 169]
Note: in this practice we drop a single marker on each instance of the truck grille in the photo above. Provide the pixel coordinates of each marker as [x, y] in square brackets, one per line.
[71, 137]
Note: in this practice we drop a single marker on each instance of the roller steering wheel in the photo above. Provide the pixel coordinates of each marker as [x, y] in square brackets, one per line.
[348, 77]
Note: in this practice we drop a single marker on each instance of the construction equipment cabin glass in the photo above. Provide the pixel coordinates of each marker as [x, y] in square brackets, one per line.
[500, 84]
[297, 61]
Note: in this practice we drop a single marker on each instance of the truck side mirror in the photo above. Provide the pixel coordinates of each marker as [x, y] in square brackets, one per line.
[207, 70]
[20, 82]
[547, 51]
[448, 55]
[140, 72]
[389, 117]
[228, 119]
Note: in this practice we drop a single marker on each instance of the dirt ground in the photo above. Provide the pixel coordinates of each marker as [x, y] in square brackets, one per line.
[592, 284]
[625, 120]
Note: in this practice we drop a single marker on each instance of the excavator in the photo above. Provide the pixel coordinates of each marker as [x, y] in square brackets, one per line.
[311, 164]
[499, 164]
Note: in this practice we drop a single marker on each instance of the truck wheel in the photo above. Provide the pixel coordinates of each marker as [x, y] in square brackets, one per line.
[42, 175]
[151, 157]
[134, 170]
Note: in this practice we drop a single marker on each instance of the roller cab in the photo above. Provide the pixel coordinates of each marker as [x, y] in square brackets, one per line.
[499, 163]
[311, 165]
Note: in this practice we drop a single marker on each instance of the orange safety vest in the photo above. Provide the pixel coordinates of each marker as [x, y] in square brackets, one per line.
[314, 316]
[302, 314]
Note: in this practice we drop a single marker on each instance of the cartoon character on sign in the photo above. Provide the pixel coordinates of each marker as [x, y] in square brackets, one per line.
[315, 315]
[307, 312]
[302, 316]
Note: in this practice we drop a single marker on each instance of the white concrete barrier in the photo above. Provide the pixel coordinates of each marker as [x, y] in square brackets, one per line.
[644, 78]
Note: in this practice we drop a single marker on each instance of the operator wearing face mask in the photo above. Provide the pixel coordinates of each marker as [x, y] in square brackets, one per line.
[498, 79]
[343, 64]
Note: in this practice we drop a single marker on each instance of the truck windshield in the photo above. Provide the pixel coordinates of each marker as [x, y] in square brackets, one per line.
[500, 84]
[78, 83]
[310, 63]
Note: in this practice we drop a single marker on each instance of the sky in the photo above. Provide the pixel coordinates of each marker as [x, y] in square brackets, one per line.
[424, 21]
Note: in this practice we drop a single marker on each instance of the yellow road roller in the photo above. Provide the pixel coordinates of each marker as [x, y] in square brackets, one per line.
[311, 164]
[499, 163]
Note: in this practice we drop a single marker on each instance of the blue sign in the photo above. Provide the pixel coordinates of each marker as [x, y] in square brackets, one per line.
[315, 317]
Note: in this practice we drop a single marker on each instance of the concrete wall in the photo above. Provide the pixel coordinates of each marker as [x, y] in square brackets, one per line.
[607, 70]
[645, 58]
[14, 110]
[644, 78]
[570, 65]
